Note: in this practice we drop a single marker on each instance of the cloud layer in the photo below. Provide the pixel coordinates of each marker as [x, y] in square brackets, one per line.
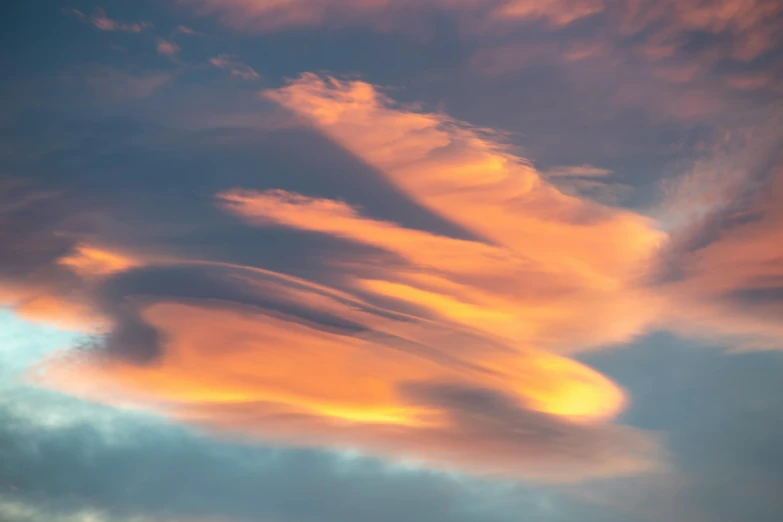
[417, 338]
[327, 267]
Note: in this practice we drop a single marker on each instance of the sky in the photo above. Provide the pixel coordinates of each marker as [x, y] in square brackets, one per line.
[391, 260]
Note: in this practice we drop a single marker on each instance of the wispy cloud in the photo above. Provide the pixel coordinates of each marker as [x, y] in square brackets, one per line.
[234, 67]
[728, 267]
[266, 15]
[101, 21]
[674, 54]
[748, 26]
[167, 47]
[183, 29]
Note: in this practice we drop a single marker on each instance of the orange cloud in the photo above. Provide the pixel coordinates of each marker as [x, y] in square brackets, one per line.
[237, 370]
[454, 352]
[90, 261]
[552, 247]
[447, 354]
[451, 350]
[56, 299]
[42, 306]
[726, 270]
[502, 293]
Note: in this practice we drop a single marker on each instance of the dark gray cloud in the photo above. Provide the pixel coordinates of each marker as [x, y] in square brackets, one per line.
[762, 295]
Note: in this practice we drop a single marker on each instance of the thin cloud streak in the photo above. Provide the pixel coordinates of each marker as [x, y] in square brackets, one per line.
[234, 67]
[101, 21]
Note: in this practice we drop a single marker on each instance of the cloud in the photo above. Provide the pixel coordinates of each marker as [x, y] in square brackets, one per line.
[167, 47]
[265, 15]
[754, 80]
[235, 67]
[142, 470]
[364, 395]
[99, 20]
[474, 284]
[721, 264]
[683, 63]
[420, 322]
[477, 184]
[579, 171]
[34, 217]
[748, 25]
[328, 268]
[747, 28]
[13, 510]
[183, 29]
[726, 268]
[424, 298]
[587, 181]
[447, 321]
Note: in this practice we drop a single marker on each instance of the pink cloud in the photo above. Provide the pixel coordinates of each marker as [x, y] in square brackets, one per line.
[235, 67]
[167, 47]
[101, 21]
